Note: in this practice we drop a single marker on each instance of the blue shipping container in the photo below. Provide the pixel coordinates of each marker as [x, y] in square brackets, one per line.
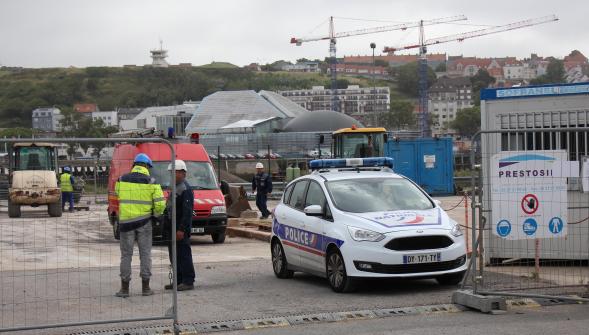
[429, 162]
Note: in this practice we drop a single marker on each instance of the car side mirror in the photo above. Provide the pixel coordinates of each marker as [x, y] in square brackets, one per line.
[438, 203]
[313, 210]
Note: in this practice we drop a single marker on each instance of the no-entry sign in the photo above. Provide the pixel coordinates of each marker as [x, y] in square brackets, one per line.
[530, 204]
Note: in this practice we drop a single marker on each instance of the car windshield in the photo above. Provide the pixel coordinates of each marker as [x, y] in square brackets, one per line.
[377, 195]
[200, 175]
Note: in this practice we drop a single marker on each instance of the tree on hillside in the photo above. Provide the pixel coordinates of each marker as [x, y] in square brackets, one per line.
[79, 125]
[441, 67]
[408, 78]
[468, 121]
[399, 116]
[479, 81]
[555, 73]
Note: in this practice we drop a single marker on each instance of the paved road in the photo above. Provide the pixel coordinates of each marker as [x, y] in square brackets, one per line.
[569, 319]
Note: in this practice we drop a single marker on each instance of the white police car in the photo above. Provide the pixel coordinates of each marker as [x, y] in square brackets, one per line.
[354, 218]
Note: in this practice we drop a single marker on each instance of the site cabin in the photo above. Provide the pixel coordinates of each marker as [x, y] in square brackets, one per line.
[209, 211]
[359, 142]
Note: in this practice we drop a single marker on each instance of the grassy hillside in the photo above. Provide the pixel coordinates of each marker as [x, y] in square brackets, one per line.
[23, 90]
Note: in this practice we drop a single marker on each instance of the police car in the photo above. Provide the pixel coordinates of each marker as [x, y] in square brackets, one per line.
[355, 218]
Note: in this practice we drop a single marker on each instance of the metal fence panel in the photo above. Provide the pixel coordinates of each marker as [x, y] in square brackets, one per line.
[64, 271]
[533, 236]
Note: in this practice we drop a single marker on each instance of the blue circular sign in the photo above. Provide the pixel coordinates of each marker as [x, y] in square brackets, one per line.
[503, 228]
[555, 225]
[530, 226]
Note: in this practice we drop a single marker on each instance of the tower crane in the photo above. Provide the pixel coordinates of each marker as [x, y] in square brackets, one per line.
[333, 36]
[423, 43]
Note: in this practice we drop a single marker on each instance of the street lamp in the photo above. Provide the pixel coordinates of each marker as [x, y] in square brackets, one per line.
[373, 46]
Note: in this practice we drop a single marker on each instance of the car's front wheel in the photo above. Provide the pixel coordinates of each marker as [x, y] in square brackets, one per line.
[336, 273]
[450, 279]
[279, 262]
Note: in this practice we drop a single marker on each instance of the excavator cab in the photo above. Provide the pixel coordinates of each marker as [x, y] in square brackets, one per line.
[359, 142]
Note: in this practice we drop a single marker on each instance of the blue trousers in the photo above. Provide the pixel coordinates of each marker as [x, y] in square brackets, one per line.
[67, 197]
[186, 273]
[261, 200]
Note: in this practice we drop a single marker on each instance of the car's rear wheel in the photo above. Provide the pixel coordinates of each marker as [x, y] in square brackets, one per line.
[279, 262]
[13, 210]
[336, 273]
[54, 209]
[218, 238]
[450, 279]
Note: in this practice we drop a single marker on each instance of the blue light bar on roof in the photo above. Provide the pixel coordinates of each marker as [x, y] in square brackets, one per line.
[351, 162]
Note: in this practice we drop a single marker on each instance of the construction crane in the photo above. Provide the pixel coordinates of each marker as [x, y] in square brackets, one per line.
[423, 43]
[333, 36]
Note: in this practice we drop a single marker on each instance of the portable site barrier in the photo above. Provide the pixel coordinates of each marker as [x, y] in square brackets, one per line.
[63, 271]
[531, 199]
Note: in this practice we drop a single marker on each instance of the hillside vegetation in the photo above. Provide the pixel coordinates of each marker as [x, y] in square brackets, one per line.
[23, 90]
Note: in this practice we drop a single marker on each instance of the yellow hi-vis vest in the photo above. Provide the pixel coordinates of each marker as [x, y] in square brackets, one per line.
[65, 182]
[139, 199]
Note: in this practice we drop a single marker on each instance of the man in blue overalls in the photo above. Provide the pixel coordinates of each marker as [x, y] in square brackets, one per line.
[262, 183]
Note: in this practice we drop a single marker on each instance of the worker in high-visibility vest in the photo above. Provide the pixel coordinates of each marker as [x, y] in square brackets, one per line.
[66, 183]
[140, 199]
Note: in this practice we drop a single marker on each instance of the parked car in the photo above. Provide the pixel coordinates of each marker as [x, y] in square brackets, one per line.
[212, 156]
[231, 156]
[249, 156]
[240, 156]
[223, 156]
[353, 219]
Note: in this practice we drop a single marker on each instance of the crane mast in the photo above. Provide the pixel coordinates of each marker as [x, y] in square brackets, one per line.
[423, 116]
[333, 36]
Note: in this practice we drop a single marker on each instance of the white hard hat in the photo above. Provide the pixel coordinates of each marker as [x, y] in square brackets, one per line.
[259, 166]
[180, 166]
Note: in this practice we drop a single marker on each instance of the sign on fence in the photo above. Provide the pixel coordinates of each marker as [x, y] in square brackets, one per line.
[529, 193]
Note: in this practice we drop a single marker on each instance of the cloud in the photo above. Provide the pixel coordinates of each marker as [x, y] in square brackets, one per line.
[114, 33]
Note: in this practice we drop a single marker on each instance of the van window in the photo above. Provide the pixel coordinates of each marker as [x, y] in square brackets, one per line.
[200, 175]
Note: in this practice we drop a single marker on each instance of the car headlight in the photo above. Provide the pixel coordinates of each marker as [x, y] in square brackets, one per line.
[219, 210]
[359, 234]
[456, 230]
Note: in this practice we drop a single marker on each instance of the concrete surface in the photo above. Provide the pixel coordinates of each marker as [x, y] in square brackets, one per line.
[566, 319]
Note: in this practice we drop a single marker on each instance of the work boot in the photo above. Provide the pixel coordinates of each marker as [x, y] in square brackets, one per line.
[145, 290]
[169, 287]
[185, 287]
[124, 292]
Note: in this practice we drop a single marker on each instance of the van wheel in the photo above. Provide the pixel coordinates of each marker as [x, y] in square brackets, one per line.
[13, 210]
[218, 238]
[54, 209]
[279, 263]
[116, 229]
[336, 273]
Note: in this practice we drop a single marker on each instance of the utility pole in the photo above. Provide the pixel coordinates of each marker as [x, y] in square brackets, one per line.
[374, 118]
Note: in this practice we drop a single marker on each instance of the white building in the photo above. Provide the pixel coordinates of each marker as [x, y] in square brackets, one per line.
[109, 118]
[47, 119]
[354, 100]
[446, 97]
[148, 118]
[302, 67]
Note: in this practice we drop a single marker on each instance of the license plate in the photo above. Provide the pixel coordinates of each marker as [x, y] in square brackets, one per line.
[422, 258]
[197, 230]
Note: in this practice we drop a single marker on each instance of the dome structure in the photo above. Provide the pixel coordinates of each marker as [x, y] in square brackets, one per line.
[319, 121]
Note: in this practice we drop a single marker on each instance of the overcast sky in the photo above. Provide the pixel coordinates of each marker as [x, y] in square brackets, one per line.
[63, 33]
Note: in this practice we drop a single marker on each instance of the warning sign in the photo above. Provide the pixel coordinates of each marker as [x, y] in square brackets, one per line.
[529, 193]
[530, 204]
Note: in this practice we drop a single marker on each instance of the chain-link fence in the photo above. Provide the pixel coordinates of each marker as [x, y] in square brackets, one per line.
[531, 210]
[60, 265]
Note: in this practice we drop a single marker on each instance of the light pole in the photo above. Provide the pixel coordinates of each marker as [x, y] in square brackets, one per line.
[373, 46]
